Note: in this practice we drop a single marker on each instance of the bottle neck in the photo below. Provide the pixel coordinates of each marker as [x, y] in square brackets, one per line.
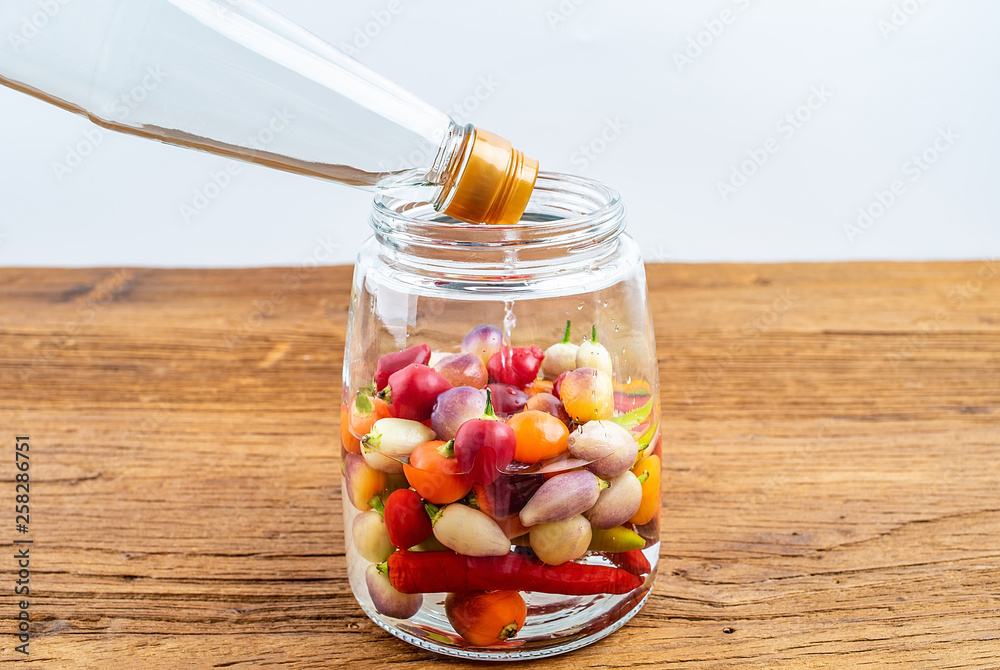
[449, 163]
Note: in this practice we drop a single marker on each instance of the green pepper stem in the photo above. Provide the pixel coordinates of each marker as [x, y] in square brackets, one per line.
[508, 631]
[383, 567]
[644, 476]
[433, 512]
[488, 412]
[569, 325]
[385, 394]
[447, 449]
[362, 403]
[602, 484]
[593, 334]
[472, 500]
[372, 440]
[375, 502]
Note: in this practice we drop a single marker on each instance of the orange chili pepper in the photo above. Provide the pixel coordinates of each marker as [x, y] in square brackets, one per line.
[486, 617]
[365, 410]
[539, 436]
[434, 472]
[351, 443]
[648, 472]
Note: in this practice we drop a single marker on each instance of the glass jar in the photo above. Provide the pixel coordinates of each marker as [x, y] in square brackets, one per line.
[501, 551]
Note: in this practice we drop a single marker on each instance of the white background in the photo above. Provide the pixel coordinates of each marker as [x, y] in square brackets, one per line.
[564, 74]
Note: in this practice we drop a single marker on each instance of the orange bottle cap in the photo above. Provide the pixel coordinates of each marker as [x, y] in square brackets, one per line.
[496, 183]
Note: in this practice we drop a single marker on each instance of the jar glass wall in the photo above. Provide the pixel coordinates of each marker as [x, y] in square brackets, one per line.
[559, 509]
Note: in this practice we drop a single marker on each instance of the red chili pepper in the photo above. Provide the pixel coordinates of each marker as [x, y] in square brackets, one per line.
[406, 519]
[448, 572]
[418, 353]
[633, 561]
[484, 447]
[557, 384]
[519, 367]
[411, 392]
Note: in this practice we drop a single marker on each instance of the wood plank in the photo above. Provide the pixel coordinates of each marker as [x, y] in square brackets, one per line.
[830, 488]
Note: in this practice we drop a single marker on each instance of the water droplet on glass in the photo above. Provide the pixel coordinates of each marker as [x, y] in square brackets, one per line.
[617, 328]
[605, 303]
[580, 307]
[628, 380]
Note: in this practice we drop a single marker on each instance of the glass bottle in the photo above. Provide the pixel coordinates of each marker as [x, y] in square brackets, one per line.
[569, 281]
[234, 78]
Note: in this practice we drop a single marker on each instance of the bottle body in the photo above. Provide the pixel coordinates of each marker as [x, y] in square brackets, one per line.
[493, 305]
[237, 79]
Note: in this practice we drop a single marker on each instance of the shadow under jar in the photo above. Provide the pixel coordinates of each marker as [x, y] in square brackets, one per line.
[530, 527]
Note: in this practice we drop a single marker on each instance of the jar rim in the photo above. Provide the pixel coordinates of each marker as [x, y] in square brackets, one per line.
[561, 205]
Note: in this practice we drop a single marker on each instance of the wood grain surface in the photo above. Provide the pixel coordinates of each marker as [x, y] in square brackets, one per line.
[831, 483]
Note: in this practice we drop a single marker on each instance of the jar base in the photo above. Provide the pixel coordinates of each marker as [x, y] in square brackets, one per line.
[533, 642]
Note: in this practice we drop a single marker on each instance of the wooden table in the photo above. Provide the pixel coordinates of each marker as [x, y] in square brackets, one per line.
[831, 484]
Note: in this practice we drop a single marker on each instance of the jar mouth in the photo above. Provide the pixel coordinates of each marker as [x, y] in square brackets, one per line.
[571, 225]
[562, 206]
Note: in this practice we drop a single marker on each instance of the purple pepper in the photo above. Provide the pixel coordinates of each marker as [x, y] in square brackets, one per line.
[563, 496]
